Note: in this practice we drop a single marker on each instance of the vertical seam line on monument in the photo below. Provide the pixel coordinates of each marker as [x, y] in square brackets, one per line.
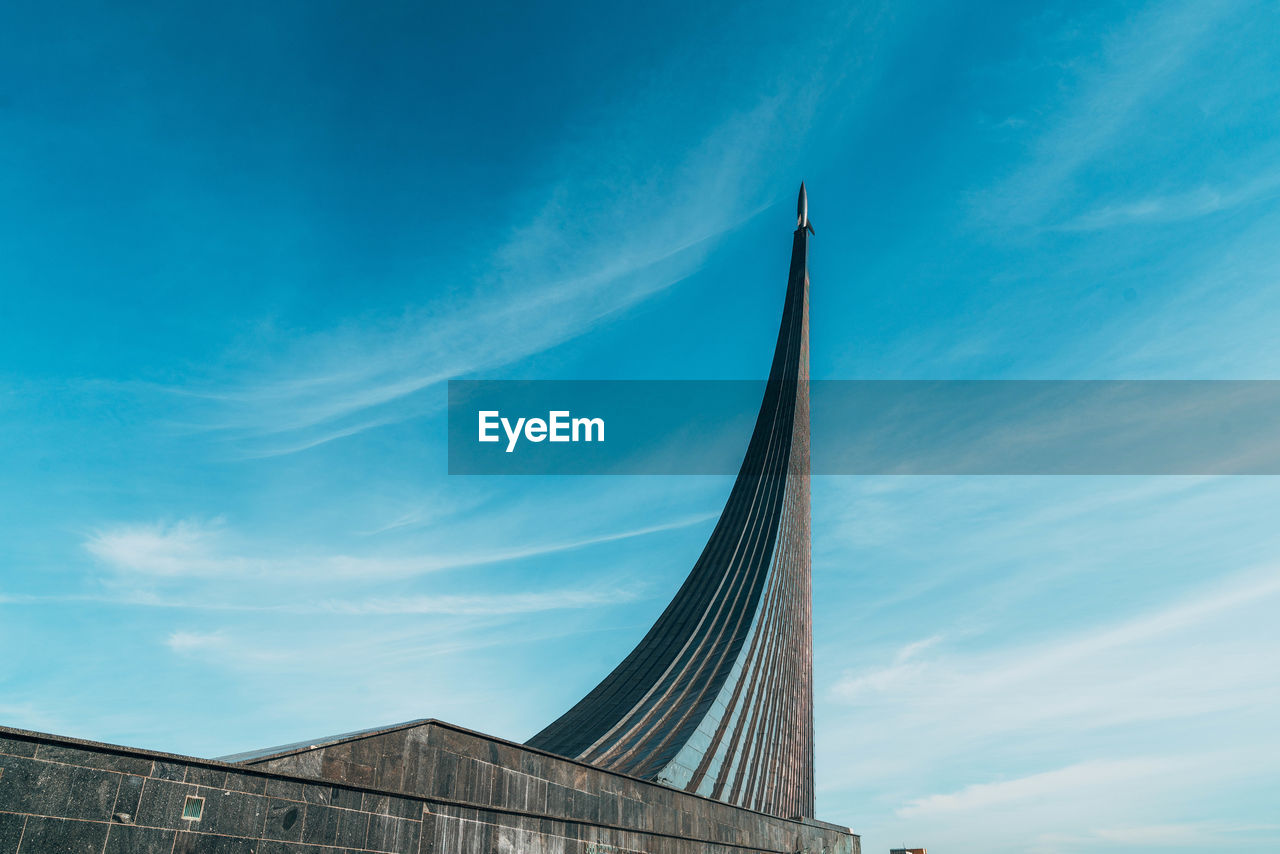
[757, 685]
[735, 579]
[713, 763]
[757, 718]
[778, 789]
[776, 450]
[648, 655]
[780, 781]
[747, 677]
[707, 566]
[693, 597]
[758, 752]
[806, 805]
[769, 749]
[759, 546]
[737, 501]
[764, 538]
[745, 572]
[740, 751]
[779, 716]
[751, 658]
[777, 780]
[769, 699]
[604, 699]
[789, 795]
[734, 644]
[762, 646]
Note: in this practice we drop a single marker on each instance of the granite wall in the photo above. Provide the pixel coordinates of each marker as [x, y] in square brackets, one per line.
[523, 799]
[424, 787]
[61, 796]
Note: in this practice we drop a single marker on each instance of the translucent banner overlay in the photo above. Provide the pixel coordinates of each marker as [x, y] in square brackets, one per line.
[1037, 427]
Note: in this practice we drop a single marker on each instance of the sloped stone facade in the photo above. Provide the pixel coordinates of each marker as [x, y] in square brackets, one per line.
[416, 788]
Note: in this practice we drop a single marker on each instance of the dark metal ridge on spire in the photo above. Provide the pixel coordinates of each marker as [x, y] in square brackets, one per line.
[717, 698]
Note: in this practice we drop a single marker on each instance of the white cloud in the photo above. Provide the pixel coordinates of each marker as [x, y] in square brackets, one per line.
[1174, 207]
[484, 605]
[1199, 834]
[1029, 648]
[194, 549]
[603, 235]
[1138, 61]
[186, 547]
[1049, 784]
[1099, 805]
[223, 645]
[1103, 677]
[903, 670]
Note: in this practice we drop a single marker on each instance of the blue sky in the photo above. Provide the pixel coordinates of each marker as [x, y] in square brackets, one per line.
[243, 246]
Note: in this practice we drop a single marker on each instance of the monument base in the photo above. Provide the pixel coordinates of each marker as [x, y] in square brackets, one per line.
[424, 786]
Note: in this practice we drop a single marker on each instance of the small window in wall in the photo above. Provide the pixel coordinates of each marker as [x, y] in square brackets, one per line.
[192, 808]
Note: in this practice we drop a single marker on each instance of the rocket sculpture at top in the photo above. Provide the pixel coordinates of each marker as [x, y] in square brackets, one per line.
[802, 210]
[717, 698]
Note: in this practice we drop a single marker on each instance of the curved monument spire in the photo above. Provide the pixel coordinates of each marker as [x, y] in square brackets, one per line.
[717, 698]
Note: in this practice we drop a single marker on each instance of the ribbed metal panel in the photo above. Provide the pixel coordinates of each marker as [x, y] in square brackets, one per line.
[718, 697]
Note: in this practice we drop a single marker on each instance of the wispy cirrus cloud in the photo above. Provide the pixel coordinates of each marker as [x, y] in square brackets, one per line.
[1139, 60]
[1075, 741]
[1096, 805]
[1105, 677]
[610, 218]
[1047, 784]
[223, 643]
[1177, 206]
[488, 605]
[603, 235]
[1201, 834]
[186, 547]
[194, 549]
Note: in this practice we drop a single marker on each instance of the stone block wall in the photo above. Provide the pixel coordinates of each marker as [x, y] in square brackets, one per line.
[418, 788]
[60, 796]
[514, 798]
